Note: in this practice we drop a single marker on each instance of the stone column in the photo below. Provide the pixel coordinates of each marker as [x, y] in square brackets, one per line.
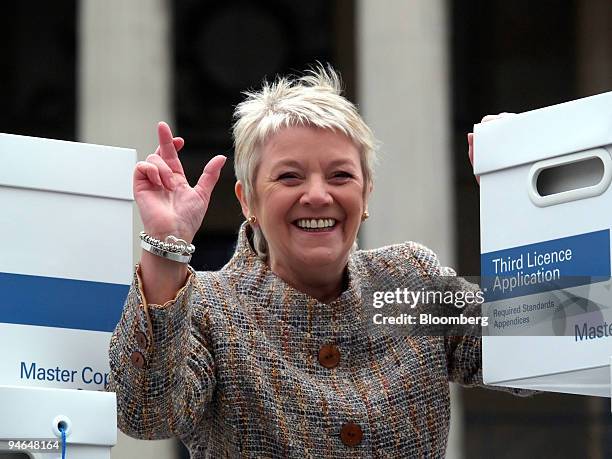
[124, 75]
[403, 92]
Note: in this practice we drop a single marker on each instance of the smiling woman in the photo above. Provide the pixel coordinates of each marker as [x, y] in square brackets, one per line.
[308, 200]
[273, 355]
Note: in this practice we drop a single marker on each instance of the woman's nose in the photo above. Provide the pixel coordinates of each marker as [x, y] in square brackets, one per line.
[316, 193]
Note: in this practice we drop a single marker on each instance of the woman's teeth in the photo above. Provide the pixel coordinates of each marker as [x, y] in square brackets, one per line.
[313, 223]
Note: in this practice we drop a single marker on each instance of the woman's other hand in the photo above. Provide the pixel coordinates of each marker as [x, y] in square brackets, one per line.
[167, 204]
[470, 137]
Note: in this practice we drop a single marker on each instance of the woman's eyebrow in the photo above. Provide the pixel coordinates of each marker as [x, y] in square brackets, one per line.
[286, 163]
[342, 162]
[293, 163]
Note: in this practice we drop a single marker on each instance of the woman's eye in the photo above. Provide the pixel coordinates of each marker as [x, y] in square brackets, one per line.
[342, 175]
[288, 176]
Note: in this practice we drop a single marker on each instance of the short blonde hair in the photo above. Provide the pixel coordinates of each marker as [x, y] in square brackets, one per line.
[314, 99]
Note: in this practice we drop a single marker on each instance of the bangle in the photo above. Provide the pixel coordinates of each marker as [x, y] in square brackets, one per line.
[171, 248]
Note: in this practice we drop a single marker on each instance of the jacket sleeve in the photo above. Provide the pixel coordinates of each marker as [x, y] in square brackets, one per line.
[463, 349]
[162, 368]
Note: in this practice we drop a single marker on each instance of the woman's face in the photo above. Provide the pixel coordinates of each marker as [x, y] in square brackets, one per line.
[309, 198]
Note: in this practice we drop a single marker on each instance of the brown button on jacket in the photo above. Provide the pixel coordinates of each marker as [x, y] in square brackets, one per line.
[232, 365]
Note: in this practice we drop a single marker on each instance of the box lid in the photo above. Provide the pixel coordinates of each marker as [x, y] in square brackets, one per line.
[544, 133]
[68, 167]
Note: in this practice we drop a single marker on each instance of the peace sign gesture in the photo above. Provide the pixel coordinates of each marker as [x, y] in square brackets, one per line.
[166, 201]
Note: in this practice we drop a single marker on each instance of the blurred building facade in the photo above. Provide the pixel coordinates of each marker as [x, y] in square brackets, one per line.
[422, 72]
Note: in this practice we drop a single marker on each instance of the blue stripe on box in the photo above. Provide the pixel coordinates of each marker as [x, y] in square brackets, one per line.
[61, 303]
[589, 264]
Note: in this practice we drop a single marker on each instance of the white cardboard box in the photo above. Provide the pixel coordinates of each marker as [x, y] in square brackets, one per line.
[36, 412]
[65, 261]
[546, 207]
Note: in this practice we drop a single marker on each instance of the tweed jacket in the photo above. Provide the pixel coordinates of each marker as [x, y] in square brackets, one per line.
[240, 364]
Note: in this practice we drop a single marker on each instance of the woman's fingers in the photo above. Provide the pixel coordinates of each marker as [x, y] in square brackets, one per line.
[209, 177]
[166, 174]
[165, 138]
[167, 147]
[470, 136]
[179, 143]
[147, 171]
[489, 118]
[470, 139]
[495, 117]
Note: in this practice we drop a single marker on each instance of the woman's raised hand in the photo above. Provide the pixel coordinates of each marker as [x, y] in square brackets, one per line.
[167, 204]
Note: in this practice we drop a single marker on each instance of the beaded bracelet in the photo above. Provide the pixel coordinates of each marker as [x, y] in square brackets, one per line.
[172, 248]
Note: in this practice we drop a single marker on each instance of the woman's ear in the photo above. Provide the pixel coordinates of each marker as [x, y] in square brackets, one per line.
[239, 190]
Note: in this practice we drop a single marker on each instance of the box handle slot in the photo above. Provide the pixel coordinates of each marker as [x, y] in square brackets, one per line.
[570, 177]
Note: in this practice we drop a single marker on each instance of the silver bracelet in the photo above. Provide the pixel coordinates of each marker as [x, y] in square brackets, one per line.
[171, 248]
